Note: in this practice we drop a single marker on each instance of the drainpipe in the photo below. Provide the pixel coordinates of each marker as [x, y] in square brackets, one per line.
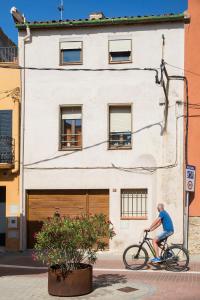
[16, 138]
[25, 39]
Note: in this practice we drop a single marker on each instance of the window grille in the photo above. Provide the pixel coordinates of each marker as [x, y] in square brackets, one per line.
[134, 204]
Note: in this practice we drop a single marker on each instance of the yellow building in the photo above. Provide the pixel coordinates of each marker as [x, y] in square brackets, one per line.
[9, 145]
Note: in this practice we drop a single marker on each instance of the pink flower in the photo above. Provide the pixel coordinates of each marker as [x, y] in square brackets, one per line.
[34, 257]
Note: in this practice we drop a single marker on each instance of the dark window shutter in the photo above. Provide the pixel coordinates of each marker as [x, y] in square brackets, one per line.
[6, 123]
[6, 155]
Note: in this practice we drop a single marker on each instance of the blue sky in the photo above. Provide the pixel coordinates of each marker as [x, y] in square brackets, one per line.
[74, 9]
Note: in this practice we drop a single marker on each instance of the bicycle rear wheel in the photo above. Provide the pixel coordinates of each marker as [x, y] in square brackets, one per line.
[176, 258]
[135, 257]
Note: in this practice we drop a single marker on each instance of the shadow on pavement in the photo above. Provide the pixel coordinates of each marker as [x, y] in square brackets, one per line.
[106, 280]
[19, 260]
[15, 271]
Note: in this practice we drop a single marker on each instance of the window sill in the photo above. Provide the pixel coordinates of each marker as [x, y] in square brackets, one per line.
[120, 148]
[71, 64]
[70, 149]
[120, 62]
[134, 218]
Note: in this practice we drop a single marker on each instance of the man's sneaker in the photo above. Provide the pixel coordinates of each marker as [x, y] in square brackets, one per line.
[156, 260]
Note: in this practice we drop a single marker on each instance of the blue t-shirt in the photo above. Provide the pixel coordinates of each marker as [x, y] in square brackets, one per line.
[166, 221]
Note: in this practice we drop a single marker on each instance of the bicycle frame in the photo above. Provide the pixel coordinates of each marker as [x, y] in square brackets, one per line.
[147, 240]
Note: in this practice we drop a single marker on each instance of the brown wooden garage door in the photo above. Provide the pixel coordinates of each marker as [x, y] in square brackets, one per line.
[43, 204]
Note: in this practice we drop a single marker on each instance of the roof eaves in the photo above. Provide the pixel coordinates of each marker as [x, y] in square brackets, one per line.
[106, 21]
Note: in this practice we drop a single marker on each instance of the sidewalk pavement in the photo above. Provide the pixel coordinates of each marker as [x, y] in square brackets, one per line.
[23, 279]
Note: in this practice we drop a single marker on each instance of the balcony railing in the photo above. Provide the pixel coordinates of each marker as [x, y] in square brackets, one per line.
[6, 150]
[120, 140]
[71, 140]
[8, 54]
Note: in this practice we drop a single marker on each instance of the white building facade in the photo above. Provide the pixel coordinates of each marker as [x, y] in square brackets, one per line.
[93, 123]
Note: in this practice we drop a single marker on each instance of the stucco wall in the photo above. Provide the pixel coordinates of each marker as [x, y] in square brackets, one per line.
[10, 178]
[46, 90]
[192, 71]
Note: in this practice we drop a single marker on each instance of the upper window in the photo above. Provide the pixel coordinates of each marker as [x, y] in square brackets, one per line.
[71, 128]
[6, 141]
[120, 129]
[71, 53]
[120, 51]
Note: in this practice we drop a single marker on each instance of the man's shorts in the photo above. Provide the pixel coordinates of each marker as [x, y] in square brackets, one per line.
[163, 235]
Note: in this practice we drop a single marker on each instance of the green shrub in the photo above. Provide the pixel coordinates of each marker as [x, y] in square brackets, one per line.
[66, 243]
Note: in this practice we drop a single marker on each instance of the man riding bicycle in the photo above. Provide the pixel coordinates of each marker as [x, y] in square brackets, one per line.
[168, 229]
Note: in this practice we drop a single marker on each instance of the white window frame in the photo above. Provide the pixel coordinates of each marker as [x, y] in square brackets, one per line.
[129, 147]
[62, 63]
[61, 107]
[120, 61]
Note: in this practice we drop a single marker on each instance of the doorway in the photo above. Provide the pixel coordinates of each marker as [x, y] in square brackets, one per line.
[2, 216]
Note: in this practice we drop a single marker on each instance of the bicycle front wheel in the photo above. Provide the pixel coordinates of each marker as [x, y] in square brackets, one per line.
[176, 258]
[135, 257]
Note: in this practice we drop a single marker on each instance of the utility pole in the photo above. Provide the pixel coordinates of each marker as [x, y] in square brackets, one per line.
[61, 9]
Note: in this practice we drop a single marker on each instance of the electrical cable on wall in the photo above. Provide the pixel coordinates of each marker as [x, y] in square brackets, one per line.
[149, 169]
[137, 169]
[86, 70]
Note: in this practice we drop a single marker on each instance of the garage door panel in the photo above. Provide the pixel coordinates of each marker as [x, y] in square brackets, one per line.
[53, 204]
[72, 203]
[44, 214]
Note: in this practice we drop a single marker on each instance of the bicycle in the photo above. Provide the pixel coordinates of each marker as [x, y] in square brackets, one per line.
[175, 257]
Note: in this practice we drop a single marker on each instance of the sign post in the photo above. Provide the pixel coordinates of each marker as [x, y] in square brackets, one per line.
[189, 188]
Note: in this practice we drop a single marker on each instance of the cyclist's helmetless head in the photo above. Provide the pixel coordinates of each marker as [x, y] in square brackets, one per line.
[160, 206]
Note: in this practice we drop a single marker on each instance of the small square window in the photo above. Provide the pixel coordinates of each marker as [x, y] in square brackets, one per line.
[71, 128]
[120, 51]
[134, 204]
[120, 129]
[71, 53]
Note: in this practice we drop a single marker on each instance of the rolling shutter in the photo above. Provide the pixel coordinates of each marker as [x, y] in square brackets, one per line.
[120, 119]
[70, 45]
[120, 46]
[71, 113]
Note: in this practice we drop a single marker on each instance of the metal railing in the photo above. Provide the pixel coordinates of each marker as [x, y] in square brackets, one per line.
[71, 140]
[134, 203]
[120, 139]
[8, 54]
[7, 147]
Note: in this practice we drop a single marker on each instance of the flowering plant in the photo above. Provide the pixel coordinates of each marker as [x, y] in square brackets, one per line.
[65, 243]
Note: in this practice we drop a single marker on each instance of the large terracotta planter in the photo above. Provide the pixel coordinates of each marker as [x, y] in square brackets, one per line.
[74, 283]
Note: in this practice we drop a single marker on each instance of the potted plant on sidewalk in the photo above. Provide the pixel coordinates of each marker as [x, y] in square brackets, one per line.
[69, 247]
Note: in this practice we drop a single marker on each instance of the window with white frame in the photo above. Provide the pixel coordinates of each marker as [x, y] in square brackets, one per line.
[120, 51]
[134, 203]
[120, 127]
[71, 128]
[71, 53]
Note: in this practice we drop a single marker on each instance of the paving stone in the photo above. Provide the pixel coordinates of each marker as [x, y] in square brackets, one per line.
[29, 288]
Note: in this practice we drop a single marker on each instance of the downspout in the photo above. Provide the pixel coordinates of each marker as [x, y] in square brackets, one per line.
[187, 194]
[25, 39]
[17, 138]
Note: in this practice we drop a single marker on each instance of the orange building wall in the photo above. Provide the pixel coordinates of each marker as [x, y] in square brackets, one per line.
[9, 80]
[192, 64]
